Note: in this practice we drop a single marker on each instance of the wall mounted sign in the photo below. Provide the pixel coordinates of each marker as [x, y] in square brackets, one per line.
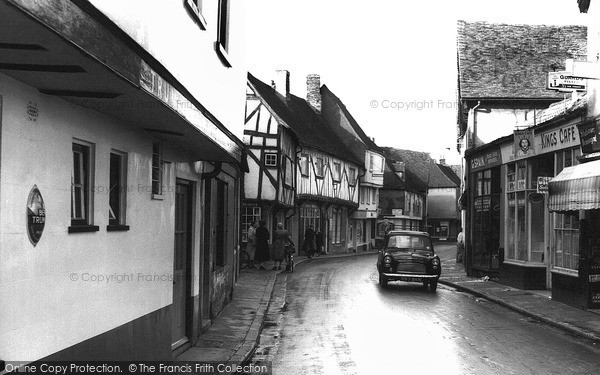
[485, 160]
[565, 82]
[36, 215]
[588, 133]
[523, 142]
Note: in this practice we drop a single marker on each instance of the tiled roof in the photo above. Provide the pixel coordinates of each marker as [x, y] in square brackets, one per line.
[326, 92]
[512, 61]
[449, 172]
[392, 181]
[421, 166]
[304, 121]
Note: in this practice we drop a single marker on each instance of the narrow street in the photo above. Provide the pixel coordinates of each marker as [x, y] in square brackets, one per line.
[338, 320]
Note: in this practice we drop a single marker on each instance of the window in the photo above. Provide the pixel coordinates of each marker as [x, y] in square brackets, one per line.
[352, 177]
[374, 198]
[375, 164]
[270, 159]
[566, 234]
[157, 171]
[195, 7]
[364, 195]
[337, 171]
[289, 172]
[222, 45]
[304, 165]
[249, 214]
[335, 225]
[319, 168]
[81, 183]
[117, 191]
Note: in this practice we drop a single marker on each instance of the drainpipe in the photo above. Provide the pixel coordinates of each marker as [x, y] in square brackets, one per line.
[468, 235]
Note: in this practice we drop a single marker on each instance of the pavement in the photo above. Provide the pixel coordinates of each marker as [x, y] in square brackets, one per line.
[234, 334]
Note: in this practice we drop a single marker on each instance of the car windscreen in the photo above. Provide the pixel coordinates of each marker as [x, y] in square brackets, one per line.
[404, 241]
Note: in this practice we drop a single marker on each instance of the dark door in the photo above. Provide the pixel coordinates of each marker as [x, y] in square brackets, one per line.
[181, 263]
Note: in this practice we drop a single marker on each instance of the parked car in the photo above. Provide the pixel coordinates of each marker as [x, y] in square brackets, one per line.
[408, 256]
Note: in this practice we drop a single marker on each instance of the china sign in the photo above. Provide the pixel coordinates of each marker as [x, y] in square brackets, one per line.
[565, 81]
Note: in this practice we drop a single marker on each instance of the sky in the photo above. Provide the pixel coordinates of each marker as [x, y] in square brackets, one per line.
[392, 63]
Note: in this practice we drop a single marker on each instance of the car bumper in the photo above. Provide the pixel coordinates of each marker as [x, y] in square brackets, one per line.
[408, 276]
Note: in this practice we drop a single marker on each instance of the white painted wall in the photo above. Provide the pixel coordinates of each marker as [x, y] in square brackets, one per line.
[167, 31]
[49, 298]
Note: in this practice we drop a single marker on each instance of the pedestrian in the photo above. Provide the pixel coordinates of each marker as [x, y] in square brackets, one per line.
[386, 227]
[460, 246]
[281, 239]
[262, 244]
[319, 242]
[308, 246]
[251, 244]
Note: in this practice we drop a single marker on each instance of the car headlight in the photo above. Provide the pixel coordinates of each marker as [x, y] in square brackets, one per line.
[436, 262]
[387, 260]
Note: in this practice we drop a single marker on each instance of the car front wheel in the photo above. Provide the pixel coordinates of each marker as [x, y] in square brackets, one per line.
[383, 281]
[433, 284]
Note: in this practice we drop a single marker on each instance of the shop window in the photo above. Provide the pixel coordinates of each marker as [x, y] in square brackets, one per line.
[82, 196]
[249, 214]
[335, 225]
[566, 236]
[117, 191]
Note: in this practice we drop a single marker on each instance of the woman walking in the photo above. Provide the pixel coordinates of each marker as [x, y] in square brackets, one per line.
[262, 244]
[281, 238]
[251, 244]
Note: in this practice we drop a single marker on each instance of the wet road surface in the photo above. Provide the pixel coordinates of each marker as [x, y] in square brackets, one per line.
[338, 320]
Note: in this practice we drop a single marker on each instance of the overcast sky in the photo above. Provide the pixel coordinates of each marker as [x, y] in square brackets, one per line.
[393, 63]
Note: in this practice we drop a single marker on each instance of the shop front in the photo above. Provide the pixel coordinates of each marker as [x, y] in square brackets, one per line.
[483, 220]
[574, 197]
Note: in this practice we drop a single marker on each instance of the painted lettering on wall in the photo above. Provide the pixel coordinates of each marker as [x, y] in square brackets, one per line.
[560, 137]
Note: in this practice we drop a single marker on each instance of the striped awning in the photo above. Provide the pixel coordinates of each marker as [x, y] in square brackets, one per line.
[576, 188]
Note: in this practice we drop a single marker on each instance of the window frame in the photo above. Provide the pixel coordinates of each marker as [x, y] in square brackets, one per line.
[118, 222]
[83, 223]
[304, 165]
[320, 168]
[157, 165]
[266, 161]
[223, 32]
[352, 177]
[336, 172]
[195, 8]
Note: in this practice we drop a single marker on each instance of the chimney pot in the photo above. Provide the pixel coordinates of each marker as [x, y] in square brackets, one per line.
[281, 84]
[313, 91]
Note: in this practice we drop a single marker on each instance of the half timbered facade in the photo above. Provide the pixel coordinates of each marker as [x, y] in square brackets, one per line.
[325, 187]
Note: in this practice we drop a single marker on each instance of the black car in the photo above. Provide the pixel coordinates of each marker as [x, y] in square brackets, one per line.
[409, 256]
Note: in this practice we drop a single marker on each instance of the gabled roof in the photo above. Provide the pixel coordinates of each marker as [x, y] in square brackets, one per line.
[449, 172]
[421, 165]
[512, 61]
[309, 126]
[370, 144]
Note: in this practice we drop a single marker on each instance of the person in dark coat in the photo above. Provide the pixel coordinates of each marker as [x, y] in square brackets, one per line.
[262, 244]
[281, 239]
[319, 242]
[309, 242]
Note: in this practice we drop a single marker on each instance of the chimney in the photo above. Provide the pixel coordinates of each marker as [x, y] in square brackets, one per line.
[313, 91]
[281, 84]
[443, 161]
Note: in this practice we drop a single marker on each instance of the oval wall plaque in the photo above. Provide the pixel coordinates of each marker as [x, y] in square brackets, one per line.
[36, 215]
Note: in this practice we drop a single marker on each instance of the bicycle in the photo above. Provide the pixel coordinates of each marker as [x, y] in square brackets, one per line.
[289, 258]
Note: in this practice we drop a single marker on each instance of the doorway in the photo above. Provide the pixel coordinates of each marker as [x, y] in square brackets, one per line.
[180, 312]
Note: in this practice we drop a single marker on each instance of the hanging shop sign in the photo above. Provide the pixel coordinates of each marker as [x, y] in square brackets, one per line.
[565, 82]
[588, 134]
[36, 215]
[486, 160]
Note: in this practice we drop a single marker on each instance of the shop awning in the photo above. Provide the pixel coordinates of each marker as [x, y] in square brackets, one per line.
[576, 188]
